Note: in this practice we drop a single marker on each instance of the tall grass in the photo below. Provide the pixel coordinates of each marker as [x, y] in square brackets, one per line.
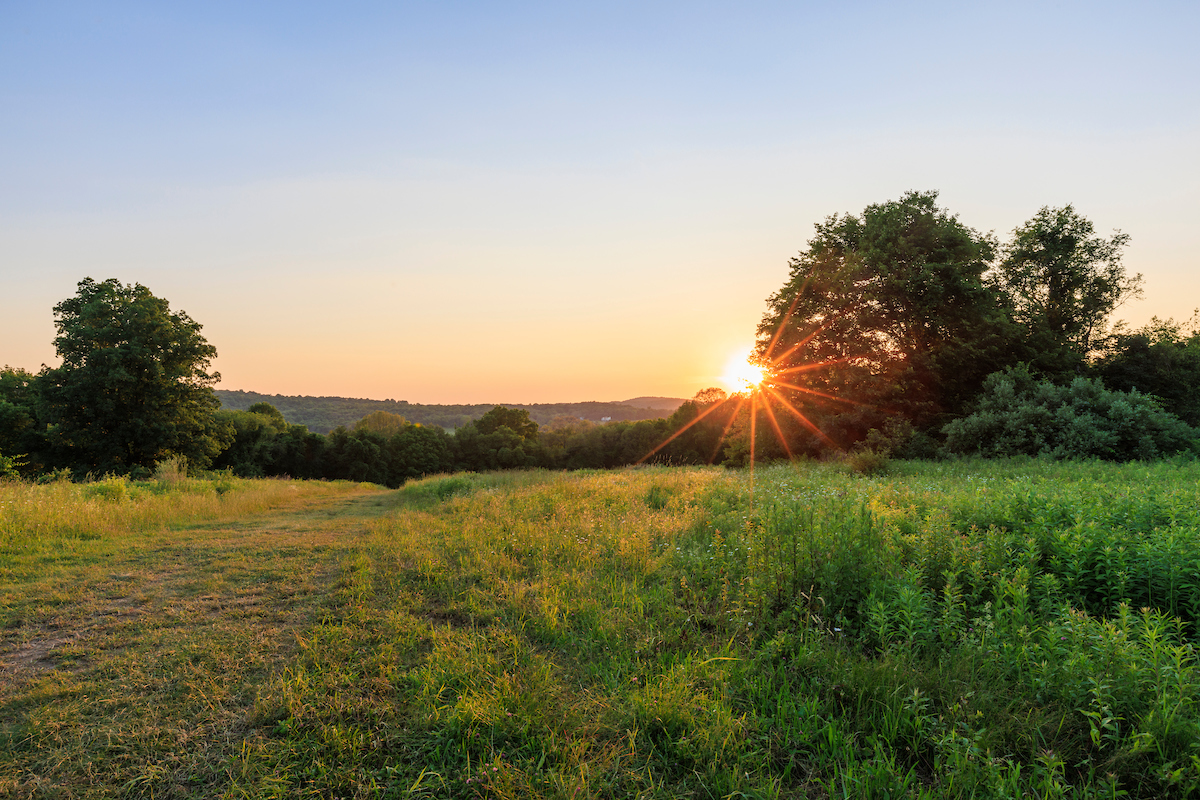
[963, 629]
[1038, 610]
[43, 515]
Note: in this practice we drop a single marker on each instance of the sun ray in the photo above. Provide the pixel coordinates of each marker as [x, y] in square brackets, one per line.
[832, 397]
[783, 322]
[777, 359]
[811, 366]
[728, 425]
[679, 432]
[778, 430]
[803, 419]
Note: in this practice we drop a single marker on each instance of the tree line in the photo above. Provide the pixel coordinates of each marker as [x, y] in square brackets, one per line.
[387, 449]
[323, 414]
[899, 331]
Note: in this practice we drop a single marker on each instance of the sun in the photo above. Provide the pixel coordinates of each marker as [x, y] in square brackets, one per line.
[741, 375]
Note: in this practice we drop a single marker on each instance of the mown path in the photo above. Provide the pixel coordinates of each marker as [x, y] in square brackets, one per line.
[135, 662]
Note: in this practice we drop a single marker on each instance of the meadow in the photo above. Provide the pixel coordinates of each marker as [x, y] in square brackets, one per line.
[945, 629]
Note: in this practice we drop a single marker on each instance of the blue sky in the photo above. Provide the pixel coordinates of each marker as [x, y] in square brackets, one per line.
[470, 202]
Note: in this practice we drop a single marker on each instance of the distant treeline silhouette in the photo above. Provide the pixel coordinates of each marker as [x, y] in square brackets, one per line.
[323, 414]
[387, 449]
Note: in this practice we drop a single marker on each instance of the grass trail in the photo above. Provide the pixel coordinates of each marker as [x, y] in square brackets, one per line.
[129, 660]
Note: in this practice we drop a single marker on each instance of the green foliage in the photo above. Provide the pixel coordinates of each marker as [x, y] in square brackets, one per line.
[19, 432]
[1020, 415]
[356, 456]
[1160, 359]
[10, 466]
[113, 489]
[133, 387]
[271, 413]
[952, 630]
[254, 436]
[417, 451]
[1062, 282]
[515, 419]
[884, 311]
[989, 622]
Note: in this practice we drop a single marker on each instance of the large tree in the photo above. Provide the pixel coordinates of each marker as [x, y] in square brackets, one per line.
[134, 386]
[1062, 283]
[884, 316]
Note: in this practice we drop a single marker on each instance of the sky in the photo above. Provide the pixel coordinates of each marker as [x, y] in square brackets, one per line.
[460, 202]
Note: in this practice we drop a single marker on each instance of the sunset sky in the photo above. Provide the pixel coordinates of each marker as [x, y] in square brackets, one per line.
[452, 202]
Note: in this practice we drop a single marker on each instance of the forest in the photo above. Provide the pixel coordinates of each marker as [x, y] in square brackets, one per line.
[899, 333]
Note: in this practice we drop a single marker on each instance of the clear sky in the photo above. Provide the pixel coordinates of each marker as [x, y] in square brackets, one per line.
[547, 202]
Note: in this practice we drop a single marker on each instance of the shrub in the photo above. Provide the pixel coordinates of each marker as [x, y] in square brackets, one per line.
[10, 467]
[112, 488]
[1020, 415]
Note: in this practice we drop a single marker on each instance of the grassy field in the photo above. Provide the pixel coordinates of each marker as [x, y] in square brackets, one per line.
[962, 629]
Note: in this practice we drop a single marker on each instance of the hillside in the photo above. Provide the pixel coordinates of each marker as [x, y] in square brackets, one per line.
[323, 414]
[667, 404]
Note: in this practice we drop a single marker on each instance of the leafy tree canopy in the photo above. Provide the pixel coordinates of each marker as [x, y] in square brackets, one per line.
[884, 314]
[1163, 359]
[273, 415]
[1062, 283]
[18, 429]
[515, 419]
[134, 386]
[384, 423]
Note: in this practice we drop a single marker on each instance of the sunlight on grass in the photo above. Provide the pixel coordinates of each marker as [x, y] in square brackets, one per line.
[959, 629]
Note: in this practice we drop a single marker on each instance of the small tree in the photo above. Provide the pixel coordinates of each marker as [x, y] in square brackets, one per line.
[19, 432]
[133, 388]
[385, 423]
[272, 414]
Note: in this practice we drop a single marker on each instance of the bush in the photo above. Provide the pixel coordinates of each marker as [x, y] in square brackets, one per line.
[112, 488]
[1020, 415]
[10, 467]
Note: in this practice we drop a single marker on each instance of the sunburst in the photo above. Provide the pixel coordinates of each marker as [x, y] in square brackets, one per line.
[759, 383]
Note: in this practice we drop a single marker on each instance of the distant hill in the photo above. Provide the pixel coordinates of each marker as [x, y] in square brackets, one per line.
[323, 414]
[668, 404]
